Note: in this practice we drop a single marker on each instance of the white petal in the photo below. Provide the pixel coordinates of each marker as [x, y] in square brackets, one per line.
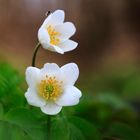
[69, 73]
[46, 21]
[68, 45]
[32, 76]
[70, 96]
[56, 18]
[33, 98]
[51, 108]
[57, 49]
[66, 30]
[43, 37]
[50, 69]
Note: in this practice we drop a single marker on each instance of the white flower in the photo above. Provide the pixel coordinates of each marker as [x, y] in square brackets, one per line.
[54, 33]
[52, 87]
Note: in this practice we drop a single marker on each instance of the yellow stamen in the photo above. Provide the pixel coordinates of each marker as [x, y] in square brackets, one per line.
[54, 35]
[50, 88]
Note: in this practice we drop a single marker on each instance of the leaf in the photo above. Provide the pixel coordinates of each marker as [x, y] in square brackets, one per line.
[1, 110]
[88, 130]
[123, 131]
[11, 93]
[75, 133]
[113, 100]
[59, 128]
[63, 129]
[10, 132]
[18, 134]
[27, 122]
[4, 131]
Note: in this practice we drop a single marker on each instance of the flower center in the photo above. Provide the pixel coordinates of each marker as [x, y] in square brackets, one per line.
[54, 35]
[50, 88]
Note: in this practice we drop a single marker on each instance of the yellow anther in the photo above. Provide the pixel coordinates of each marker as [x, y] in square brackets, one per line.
[50, 88]
[54, 35]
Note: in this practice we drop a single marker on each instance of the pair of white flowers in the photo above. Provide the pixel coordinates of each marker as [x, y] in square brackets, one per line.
[52, 87]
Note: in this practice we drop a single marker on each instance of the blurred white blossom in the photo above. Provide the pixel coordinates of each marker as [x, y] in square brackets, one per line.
[54, 33]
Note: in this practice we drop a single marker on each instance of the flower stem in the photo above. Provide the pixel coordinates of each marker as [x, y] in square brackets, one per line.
[49, 127]
[34, 54]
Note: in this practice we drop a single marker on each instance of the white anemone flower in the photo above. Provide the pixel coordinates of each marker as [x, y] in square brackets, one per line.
[54, 33]
[52, 87]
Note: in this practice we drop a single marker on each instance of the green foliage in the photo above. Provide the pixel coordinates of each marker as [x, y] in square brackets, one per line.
[132, 88]
[75, 134]
[59, 128]
[89, 131]
[11, 92]
[27, 121]
[123, 131]
[104, 113]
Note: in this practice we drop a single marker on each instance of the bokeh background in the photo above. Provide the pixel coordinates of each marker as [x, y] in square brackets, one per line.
[108, 55]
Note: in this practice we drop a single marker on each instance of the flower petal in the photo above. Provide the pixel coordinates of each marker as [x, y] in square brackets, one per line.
[70, 96]
[57, 49]
[43, 37]
[68, 45]
[69, 73]
[46, 21]
[56, 18]
[66, 30]
[32, 76]
[50, 69]
[33, 98]
[51, 108]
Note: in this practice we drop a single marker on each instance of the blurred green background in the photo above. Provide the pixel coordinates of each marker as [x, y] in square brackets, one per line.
[108, 56]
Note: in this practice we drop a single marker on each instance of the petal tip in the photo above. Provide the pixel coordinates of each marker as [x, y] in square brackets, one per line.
[60, 11]
[51, 111]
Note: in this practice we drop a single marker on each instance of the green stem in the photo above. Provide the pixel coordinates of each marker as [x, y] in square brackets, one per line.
[34, 54]
[49, 127]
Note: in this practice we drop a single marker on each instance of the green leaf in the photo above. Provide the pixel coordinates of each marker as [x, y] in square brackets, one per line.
[18, 134]
[123, 131]
[88, 130]
[59, 128]
[27, 121]
[63, 129]
[1, 110]
[4, 131]
[75, 133]
[11, 92]
[113, 100]
[12, 132]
